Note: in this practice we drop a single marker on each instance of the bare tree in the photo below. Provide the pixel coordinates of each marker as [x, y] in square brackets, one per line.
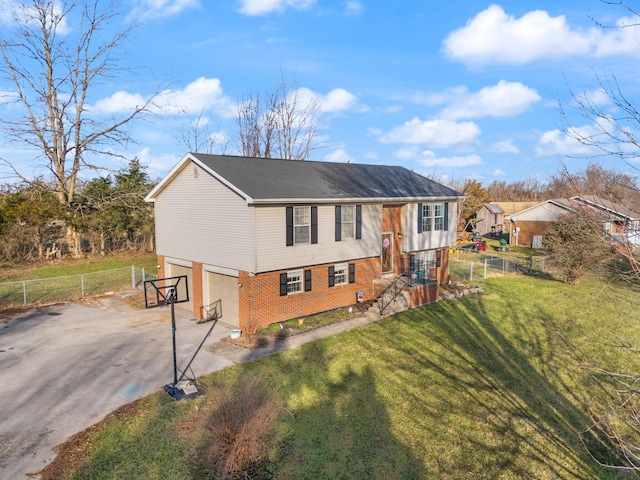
[54, 54]
[198, 137]
[285, 125]
[614, 134]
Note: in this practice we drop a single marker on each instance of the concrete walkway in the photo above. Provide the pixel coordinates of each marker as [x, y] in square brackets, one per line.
[63, 368]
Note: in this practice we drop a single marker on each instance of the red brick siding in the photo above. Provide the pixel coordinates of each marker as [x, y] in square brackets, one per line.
[443, 270]
[426, 294]
[196, 274]
[261, 303]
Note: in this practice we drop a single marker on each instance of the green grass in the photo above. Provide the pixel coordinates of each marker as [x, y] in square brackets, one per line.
[69, 280]
[482, 387]
[59, 268]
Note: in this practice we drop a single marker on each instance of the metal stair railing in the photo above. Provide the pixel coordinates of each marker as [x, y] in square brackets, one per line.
[392, 291]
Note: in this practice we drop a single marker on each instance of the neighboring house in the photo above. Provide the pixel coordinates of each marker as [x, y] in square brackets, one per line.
[279, 239]
[528, 227]
[489, 219]
[618, 221]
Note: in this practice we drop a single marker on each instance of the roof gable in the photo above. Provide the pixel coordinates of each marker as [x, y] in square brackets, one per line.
[265, 180]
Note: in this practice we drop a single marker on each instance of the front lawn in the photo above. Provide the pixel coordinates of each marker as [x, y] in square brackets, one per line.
[484, 387]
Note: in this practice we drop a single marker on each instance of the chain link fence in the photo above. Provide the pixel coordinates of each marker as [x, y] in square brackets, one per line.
[470, 266]
[71, 287]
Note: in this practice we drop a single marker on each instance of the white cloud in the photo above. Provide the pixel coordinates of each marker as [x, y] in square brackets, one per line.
[493, 37]
[353, 7]
[434, 133]
[118, 102]
[12, 11]
[202, 92]
[157, 165]
[505, 146]
[427, 158]
[338, 100]
[596, 97]
[338, 156]
[498, 172]
[557, 142]
[147, 9]
[506, 99]
[262, 7]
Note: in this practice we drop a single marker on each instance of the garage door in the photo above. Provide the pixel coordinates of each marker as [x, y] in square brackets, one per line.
[174, 270]
[222, 288]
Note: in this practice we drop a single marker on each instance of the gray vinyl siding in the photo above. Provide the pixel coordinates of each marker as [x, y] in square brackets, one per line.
[434, 239]
[200, 219]
[273, 254]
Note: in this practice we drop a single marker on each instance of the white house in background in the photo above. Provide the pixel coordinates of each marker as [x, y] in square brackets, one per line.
[529, 226]
[273, 239]
[618, 221]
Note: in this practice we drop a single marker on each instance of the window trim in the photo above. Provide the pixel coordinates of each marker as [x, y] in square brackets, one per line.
[429, 221]
[345, 274]
[307, 218]
[300, 282]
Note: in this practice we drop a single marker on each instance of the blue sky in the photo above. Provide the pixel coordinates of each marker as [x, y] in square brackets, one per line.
[458, 89]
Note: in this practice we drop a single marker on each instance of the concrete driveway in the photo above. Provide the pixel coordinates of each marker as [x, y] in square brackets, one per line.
[65, 367]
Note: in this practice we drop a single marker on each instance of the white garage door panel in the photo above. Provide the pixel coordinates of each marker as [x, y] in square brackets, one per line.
[223, 288]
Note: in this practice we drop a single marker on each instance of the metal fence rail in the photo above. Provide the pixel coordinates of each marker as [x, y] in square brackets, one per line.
[71, 287]
[476, 266]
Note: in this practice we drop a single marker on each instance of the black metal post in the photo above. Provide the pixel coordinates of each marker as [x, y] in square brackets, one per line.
[175, 362]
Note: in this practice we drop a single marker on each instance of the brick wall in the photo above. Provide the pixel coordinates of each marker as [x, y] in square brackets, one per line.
[426, 294]
[196, 279]
[261, 303]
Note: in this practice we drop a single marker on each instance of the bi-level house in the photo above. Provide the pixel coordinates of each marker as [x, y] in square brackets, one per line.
[271, 240]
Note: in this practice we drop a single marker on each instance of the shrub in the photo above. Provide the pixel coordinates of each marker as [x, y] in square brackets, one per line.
[239, 434]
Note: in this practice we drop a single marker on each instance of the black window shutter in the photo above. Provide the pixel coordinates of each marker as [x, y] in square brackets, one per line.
[446, 216]
[352, 272]
[358, 222]
[289, 226]
[314, 224]
[338, 223]
[438, 258]
[332, 276]
[283, 284]
[419, 218]
[307, 280]
[412, 263]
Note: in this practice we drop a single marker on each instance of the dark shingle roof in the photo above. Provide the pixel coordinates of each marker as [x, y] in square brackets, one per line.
[269, 179]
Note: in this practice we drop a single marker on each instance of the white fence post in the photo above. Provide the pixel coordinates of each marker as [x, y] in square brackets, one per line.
[485, 268]
[133, 276]
[471, 272]
[24, 292]
[82, 285]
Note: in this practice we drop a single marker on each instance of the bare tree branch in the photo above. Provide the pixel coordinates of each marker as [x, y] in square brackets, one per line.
[54, 72]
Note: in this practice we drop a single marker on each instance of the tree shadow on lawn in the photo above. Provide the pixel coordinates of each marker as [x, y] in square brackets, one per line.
[495, 411]
[338, 428]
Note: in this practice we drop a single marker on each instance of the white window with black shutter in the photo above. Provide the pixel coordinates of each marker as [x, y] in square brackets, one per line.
[348, 222]
[341, 274]
[302, 225]
[433, 217]
[295, 281]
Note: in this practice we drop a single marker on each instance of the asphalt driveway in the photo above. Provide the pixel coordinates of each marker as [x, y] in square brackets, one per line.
[65, 367]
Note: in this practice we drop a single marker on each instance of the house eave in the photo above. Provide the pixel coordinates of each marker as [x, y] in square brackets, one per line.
[334, 200]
